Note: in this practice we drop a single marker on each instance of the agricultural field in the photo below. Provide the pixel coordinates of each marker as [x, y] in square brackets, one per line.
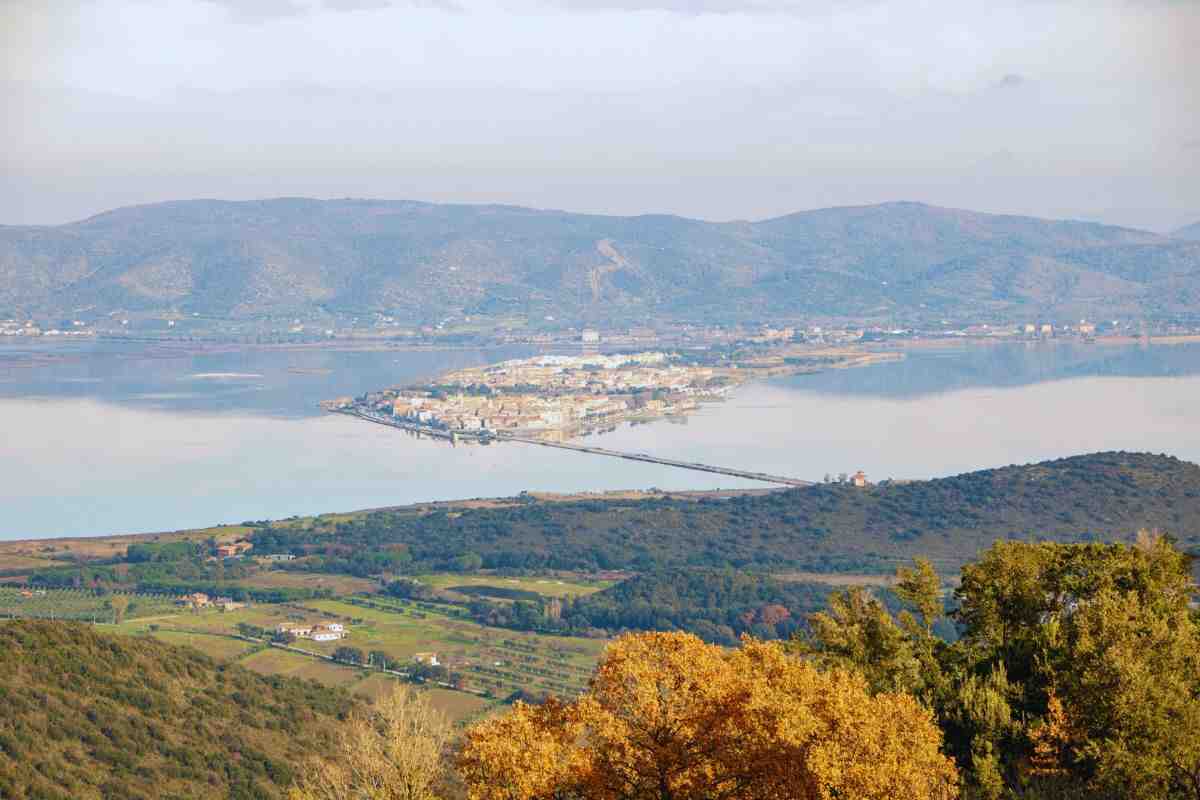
[11, 562]
[545, 586]
[78, 604]
[106, 547]
[491, 659]
[218, 646]
[493, 663]
[281, 579]
[275, 661]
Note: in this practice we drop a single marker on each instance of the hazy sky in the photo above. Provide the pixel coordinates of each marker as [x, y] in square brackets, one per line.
[719, 109]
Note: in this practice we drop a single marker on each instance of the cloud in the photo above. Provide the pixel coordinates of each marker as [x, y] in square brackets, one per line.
[378, 5]
[261, 10]
[256, 11]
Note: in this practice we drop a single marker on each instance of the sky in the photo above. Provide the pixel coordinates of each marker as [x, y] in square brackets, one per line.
[717, 109]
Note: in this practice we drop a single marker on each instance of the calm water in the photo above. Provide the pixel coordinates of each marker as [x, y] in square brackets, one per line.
[102, 438]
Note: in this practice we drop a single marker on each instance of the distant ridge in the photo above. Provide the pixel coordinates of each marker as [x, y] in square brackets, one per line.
[1188, 232]
[423, 262]
[1099, 497]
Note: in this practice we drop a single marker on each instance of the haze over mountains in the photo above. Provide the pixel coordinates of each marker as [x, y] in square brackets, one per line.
[421, 262]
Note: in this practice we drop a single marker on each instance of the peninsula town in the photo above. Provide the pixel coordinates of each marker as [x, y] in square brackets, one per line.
[559, 397]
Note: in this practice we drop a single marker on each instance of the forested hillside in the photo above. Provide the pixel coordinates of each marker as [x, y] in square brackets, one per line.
[424, 262]
[828, 528]
[85, 715]
[716, 605]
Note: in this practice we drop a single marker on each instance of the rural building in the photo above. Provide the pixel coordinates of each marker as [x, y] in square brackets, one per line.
[327, 633]
[859, 478]
[298, 629]
[429, 659]
[195, 600]
[319, 632]
[233, 549]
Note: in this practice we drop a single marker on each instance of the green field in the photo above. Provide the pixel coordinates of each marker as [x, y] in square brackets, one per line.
[490, 658]
[78, 604]
[545, 586]
[266, 660]
[491, 661]
[222, 648]
[274, 661]
[12, 562]
[280, 579]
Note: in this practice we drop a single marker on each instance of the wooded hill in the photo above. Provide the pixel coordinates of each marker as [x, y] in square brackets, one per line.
[88, 716]
[425, 262]
[825, 528]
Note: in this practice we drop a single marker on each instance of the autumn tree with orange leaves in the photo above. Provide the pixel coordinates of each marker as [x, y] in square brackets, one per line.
[668, 717]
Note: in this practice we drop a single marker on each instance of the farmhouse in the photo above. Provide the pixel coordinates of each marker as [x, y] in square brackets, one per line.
[327, 633]
[233, 549]
[195, 600]
[228, 604]
[319, 632]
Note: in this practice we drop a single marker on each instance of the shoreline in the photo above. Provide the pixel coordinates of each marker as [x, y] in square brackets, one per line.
[367, 344]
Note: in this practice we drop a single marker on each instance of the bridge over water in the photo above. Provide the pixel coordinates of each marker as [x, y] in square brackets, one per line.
[670, 462]
[579, 448]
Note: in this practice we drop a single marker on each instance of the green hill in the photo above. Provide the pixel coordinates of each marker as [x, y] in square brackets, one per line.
[426, 262]
[827, 528]
[87, 715]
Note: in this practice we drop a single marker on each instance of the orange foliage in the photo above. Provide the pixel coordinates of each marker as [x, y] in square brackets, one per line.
[669, 717]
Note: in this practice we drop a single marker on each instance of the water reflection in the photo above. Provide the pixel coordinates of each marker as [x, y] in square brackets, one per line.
[941, 369]
[139, 453]
[182, 378]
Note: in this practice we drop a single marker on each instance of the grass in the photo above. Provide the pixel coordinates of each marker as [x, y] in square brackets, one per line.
[457, 706]
[545, 586]
[77, 604]
[274, 661]
[103, 547]
[280, 579]
[222, 648]
[12, 561]
[490, 660]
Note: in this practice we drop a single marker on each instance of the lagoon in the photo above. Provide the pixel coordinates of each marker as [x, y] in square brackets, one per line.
[102, 438]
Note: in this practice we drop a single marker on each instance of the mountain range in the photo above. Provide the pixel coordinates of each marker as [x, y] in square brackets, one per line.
[422, 262]
[1189, 232]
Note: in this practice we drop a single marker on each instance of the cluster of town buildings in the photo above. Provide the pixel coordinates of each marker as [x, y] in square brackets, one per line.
[11, 327]
[554, 393]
